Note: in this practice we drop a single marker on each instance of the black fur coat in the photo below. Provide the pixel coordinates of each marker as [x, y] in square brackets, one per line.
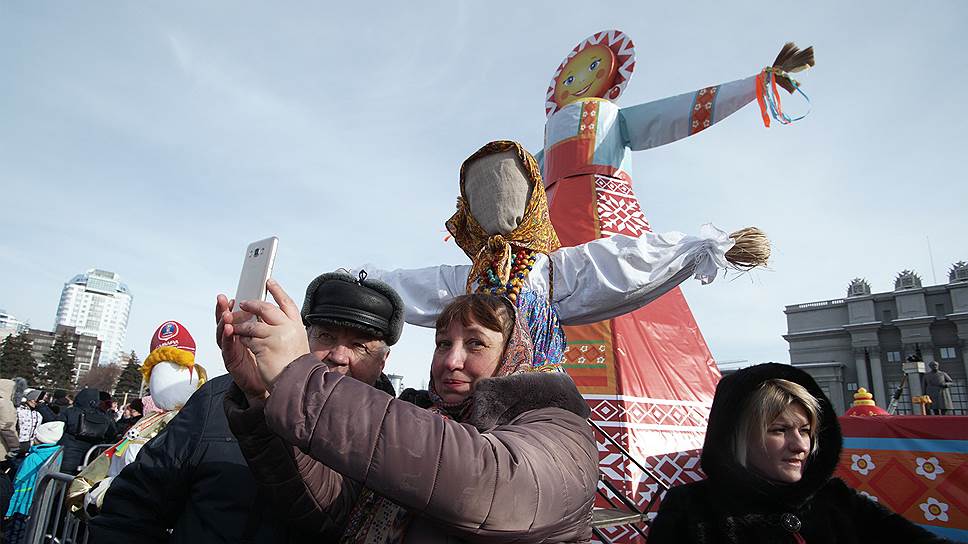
[735, 505]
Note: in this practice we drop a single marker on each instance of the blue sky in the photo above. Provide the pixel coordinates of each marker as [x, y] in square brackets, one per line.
[156, 139]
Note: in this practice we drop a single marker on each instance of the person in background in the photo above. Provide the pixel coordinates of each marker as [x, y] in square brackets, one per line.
[772, 444]
[131, 414]
[9, 438]
[43, 408]
[29, 419]
[86, 426]
[107, 405]
[43, 447]
[60, 401]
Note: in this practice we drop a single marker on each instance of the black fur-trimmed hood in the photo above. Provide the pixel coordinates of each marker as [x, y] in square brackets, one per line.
[717, 457]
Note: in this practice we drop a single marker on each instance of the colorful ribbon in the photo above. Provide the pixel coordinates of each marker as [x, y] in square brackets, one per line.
[768, 98]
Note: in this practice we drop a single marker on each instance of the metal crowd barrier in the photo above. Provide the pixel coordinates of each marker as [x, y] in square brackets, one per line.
[94, 451]
[50, 521]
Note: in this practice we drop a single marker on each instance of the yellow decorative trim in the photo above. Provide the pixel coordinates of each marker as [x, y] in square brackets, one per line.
[172, 355]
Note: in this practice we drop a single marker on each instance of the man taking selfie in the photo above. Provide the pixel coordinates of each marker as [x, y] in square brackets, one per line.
[193, 480]
[351, 324]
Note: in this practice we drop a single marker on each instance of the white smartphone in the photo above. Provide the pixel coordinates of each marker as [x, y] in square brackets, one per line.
[256, 270]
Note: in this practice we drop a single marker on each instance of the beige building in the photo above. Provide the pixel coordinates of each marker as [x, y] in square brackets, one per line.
[864, 339]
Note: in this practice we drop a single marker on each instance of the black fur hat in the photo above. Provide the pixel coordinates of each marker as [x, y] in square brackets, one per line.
[338, 298]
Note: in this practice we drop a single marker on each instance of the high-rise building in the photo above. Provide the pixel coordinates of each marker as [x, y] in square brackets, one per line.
[85, 349]
[10, 325]
[97, 303]
[865, 339]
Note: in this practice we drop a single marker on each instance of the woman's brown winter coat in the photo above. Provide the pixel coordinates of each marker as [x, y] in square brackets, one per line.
[523, 467]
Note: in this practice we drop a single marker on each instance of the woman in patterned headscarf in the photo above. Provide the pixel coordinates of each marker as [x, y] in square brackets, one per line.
[502, 452]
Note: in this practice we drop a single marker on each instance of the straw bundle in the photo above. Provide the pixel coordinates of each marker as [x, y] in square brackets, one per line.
[750, 250]
[791, 60]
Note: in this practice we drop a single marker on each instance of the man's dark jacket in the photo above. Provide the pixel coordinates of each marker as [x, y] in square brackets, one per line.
[191, 478]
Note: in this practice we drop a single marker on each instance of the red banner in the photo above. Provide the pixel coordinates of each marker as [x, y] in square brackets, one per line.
[915, 465]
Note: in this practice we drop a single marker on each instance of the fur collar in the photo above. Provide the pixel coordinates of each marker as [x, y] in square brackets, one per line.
[497, 401]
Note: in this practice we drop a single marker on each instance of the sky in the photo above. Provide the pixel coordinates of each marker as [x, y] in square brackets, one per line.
[157, 139]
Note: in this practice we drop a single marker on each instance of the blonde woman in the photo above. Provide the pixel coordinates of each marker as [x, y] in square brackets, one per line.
[771, 448]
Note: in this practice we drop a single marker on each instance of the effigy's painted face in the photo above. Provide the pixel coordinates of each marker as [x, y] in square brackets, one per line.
[589, 74]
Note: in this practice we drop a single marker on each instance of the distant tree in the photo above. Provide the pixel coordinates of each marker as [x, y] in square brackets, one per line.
[15, 358]
[59, 365]
[102, 378]
[130, 380]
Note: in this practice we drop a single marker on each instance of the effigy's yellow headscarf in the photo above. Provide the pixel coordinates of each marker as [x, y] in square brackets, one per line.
[535, 232]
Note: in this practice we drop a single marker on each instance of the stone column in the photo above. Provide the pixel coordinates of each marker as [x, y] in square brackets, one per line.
[861, 363]
[964, 355]
[881, 396]
[961, 322]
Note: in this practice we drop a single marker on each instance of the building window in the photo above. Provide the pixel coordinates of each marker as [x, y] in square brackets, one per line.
[887, 315]
[939, 310]
[894, 356]
[947, 353]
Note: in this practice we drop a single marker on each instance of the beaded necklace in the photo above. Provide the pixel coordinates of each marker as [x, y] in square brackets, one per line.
[522, 262]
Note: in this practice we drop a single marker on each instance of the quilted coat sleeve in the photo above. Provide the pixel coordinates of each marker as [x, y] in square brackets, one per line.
[308, 494]
[530, 480]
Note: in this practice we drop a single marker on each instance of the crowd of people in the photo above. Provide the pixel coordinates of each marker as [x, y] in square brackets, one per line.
[87, 418]
[306, 440]
[40, 425]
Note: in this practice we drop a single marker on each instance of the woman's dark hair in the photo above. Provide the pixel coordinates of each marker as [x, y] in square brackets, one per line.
[491, 312]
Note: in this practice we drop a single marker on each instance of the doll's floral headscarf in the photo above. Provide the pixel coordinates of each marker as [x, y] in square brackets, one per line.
[535, 231]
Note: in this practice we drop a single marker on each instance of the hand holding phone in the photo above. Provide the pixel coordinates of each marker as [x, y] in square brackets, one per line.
[256, 270]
